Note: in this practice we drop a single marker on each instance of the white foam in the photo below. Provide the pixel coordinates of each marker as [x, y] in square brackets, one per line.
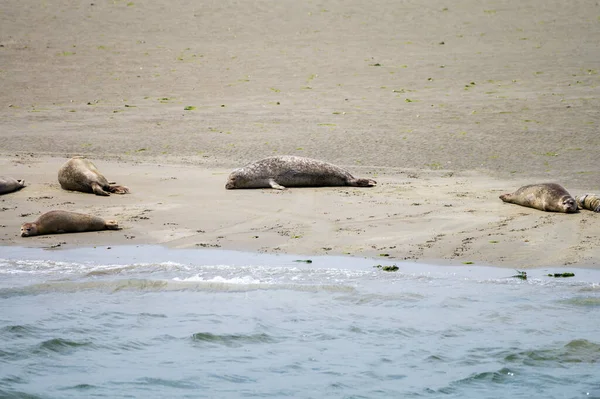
[242, 280]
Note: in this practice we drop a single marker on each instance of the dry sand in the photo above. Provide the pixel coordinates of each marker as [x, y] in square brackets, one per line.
[446, 105]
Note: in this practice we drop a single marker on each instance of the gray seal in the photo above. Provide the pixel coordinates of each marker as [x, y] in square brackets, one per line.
[284, 171]
[550, 197]
[589, 201]
[57, 222]
[9, 184]
[80, 174]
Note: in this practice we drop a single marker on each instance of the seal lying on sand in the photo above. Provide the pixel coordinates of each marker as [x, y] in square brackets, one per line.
[79, 174]
[550, 197]
[9, 184]
[291, 171]
[56, 222]
[588, 201]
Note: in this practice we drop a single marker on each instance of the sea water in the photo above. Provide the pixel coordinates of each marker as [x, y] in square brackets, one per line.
[147, 322]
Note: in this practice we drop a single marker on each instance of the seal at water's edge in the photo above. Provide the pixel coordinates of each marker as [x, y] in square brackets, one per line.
[57, 222]
[80, 174]
[9, 184]
[284, 171]
[589, 201]
[550, 197]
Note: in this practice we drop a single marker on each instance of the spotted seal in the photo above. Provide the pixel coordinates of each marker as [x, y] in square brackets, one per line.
[549, 197]
[56, 222]
[10, 184]
[80, 174]
[284, 171]
[589, 201]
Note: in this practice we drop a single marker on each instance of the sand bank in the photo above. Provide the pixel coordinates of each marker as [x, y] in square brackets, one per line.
[432, 216]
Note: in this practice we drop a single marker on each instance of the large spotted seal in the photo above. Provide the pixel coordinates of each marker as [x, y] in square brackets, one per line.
[80, 174]
[549, 197]
[589, 201]
[9, 184]
[284, 171]
[56, 222]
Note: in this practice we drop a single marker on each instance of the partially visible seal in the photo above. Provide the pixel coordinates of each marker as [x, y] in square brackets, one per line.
[589, 201]
[80, 174]
[9, 184]
[549, 197]
[280, 172]
[56, 222]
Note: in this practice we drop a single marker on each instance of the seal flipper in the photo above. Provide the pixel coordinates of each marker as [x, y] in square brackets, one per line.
[118, 189]
[98, 190]
[275, 185]
[362, 182]
[112, 225]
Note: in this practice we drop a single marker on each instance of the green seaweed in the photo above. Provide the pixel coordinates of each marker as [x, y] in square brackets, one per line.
[189, 108]
[392, 268]
[561, 275]
[303, 260]
[521, 274]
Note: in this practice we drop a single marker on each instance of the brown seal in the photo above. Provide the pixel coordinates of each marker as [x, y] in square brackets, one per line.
[549, 197]
[80, 174]
[9, 184]
[284, 171]
[56, 222]
[589, 201]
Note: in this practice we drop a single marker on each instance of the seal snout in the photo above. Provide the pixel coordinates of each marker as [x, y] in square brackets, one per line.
[26, 230]
[570, 205]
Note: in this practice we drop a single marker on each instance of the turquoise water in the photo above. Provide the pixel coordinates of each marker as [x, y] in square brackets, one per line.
[146, 322]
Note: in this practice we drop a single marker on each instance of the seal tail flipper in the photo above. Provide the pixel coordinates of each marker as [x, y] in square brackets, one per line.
[580, 200]
[98, 190]
[362, 182]
[112, 225]
[119, 189]
[275, 185]
[588, 201]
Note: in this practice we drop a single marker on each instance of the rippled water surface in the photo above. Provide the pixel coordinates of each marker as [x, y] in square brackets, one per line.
[146, 322]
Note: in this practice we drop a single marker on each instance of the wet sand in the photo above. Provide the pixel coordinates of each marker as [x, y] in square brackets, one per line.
[447, 106]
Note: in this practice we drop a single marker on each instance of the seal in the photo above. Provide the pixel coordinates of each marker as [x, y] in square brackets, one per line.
[284, 171]
[80, 174]
[550, 197]
[57, 222]
[9, 184]
[589, 201]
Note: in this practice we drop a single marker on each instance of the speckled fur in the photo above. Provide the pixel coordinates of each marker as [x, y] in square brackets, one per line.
[589, 201]
[80, 174]
[550, 197]
[9, 184]
[56, 222]
[290, 171]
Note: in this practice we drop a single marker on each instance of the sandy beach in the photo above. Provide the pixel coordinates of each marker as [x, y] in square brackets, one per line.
[446, 105]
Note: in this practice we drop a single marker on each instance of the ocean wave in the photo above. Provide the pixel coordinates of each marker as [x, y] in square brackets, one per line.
[148, 285]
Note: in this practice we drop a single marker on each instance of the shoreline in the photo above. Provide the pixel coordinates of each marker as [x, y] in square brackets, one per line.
[100, 258]
[434, 217]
